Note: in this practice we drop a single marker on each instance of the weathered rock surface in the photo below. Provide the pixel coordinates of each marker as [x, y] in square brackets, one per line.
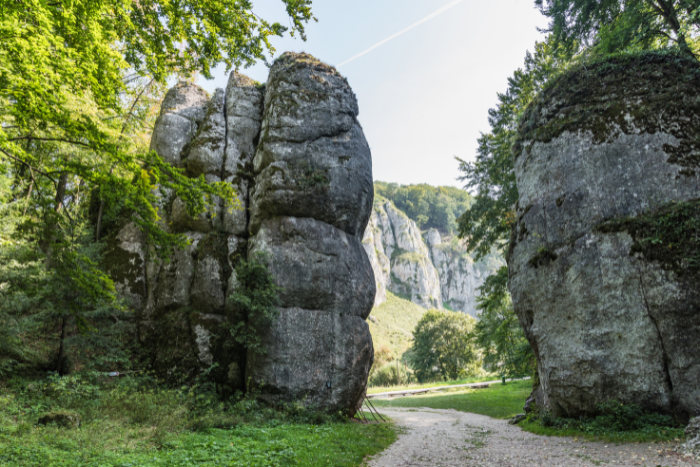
[381, 266]
[430, 272]
[313, 159]
[244, 108]
[317, 266]
[183, 301]
[692, 439]
[309, 174]
[411, 273]
[311, 199]
[320, 358]
[182, 110]
[606, 156]
[125, 258]
[206, 152]
[460, 275]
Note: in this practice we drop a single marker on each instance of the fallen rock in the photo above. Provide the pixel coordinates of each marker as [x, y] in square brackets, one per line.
[517, 419]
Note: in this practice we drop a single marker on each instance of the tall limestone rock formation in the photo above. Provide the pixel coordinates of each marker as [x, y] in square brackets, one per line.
[311, 201]
[427, 271]
[605, 257]
[298, 160]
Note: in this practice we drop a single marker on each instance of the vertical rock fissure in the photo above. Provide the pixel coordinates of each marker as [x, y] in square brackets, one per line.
[667, 373]
[223, 161]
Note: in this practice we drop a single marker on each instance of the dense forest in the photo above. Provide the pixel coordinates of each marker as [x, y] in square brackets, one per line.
[430, 207]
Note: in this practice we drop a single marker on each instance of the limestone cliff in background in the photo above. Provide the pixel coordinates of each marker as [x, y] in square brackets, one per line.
[427, 271]
[604, 269]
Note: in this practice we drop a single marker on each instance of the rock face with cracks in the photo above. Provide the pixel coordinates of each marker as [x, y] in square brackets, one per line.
[429, 270]
[301, 167]
[603, 261]
[310, 204]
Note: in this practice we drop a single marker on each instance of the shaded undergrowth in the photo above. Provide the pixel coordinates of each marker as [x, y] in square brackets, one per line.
[136, 422]
[615, 422]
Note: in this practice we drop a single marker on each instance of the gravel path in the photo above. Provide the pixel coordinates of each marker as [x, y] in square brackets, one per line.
[442, 438]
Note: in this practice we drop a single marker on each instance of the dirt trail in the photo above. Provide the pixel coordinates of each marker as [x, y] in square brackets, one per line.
[442, 438]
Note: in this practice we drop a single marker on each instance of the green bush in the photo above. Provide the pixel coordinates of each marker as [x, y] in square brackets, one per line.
[134, 420]
[614, 418]
[390, 374]
[444, 347]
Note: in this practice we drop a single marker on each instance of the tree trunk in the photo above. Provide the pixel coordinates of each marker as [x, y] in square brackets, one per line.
[61, 347]
[51, 228]
[99, 221]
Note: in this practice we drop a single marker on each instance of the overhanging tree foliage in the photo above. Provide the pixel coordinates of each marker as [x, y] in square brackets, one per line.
[79, 85]
[487, 224]
[614, 25]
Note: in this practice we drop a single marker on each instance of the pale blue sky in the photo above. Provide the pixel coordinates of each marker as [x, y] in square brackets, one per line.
[424, 96]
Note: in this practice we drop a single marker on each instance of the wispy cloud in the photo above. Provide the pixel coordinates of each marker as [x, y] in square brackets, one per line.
[427, 18]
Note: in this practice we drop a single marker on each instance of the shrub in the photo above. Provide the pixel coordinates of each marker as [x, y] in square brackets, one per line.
[390, 374]
[614, 417]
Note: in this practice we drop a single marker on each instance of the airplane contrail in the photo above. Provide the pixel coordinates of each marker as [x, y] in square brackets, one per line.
[427, 18]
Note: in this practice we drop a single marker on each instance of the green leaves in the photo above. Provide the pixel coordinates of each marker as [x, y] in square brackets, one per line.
[80, 86]
[254, 304]
[498, 333]
[487, 223]
[443, 347]
[428, 206]
[610, 26]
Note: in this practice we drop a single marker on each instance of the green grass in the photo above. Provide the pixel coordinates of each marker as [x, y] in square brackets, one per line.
[145, 425]
[661, 434]
[472, 379]
[615, 422]
[333, 444]
[396, 320]
[498, 400]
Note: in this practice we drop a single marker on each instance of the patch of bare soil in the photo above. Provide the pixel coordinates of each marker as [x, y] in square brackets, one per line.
[442, 438]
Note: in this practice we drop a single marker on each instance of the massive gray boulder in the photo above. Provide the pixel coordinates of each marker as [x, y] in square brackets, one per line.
[311, 199]
[313, 159]
[317, 266]
[604, 258]
[183, 301]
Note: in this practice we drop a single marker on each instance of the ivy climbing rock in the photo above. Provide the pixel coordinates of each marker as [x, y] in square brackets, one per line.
[604, 258]
[310, 205]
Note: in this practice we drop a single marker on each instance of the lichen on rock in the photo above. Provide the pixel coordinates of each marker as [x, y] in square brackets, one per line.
[600, 256]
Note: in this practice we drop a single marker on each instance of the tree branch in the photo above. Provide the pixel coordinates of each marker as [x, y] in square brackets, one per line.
[28, 165]
[59, 140]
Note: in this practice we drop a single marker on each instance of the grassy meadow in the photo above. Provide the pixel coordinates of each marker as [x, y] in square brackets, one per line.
[132, 424]
[392, 323]
[498, 400]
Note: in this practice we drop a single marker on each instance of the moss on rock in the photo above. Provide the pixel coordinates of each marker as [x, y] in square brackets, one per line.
[669, 235]
[628, 93]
